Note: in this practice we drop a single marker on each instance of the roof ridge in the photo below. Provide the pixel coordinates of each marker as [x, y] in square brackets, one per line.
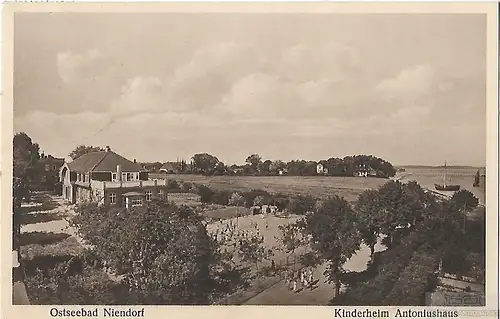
[99, 161]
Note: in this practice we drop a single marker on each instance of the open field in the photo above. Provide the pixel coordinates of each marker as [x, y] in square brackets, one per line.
[317, 186]
[324, 186]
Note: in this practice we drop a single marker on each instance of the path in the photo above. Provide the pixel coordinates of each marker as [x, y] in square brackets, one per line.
[56, 216]
[322, 293]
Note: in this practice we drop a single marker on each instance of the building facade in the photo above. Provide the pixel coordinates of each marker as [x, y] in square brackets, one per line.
[108, 178]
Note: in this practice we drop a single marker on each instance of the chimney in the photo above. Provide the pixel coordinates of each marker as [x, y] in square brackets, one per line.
[108, 149]
[119, 173]
[135, 161]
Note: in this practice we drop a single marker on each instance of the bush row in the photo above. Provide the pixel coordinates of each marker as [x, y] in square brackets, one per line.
[297, 204]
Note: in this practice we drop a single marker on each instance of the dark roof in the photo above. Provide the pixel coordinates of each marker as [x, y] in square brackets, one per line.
[170, 166]
[103, 161]
[51, 159]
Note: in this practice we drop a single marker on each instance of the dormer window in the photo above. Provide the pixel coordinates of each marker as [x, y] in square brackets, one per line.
[114, 177]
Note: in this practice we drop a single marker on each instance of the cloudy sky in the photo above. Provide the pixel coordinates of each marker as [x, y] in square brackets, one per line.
[408, 88]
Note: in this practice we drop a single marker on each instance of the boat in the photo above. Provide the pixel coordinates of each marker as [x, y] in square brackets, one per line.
[476, 179]
[446, 187]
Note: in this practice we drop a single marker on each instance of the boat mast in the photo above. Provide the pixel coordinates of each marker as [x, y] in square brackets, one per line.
[444, 184]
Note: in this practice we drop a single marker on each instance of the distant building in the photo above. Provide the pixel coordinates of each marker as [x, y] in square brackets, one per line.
[365, 171]
[47, 171]
[321, 169]
[152, 167]
[171, 168]
[110, 179]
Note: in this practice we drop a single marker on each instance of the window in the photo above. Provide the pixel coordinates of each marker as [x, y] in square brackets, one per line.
[149, 195]
[124, 201]
[136, 202]
[54, 167]
[114, 177]
[84, 178]
[161, 194]
[78, 177]
[130, 177]
[47, 167]
[124, 177]
[112, 198]
[137, 176]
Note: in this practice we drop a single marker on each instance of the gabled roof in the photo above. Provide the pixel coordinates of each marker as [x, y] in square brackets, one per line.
[170, 166]
[103, 161]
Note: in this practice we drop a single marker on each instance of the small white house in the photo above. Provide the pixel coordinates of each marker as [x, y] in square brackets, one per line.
[321, 169]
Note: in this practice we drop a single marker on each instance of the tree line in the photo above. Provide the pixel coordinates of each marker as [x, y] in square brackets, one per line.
[255, 165]
[207, 164]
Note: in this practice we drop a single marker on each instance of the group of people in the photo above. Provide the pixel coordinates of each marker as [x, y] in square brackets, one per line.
[231, 232]
[302, 279]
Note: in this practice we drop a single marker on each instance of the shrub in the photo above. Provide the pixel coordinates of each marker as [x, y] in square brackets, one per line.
[187, 187]
[206, 194]
[221, 197]
[63, 286]
[301, 204]
[173, 186]
[251, 195]
[236, 199]
[281, 202]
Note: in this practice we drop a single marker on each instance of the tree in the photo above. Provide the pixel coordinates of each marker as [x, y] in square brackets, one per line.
[368, 220]
[259, 200]
[84, 149]
[398, 209]
[332, 228]
[265, 167]
[205, 163]
[291, 238]
[464, 201]
[25, 156]
[164, 252]
[275, 166]
[220, 169]
[237, 200]
[254, 161]
[253, 250]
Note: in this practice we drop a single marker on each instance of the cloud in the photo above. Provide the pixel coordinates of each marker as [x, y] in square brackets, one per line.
[76, 67]
[139, 95]
[210, 73]
[331, 60]
[411, 84]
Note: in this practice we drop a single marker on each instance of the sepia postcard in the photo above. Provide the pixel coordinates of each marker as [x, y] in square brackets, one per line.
[252, 156]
